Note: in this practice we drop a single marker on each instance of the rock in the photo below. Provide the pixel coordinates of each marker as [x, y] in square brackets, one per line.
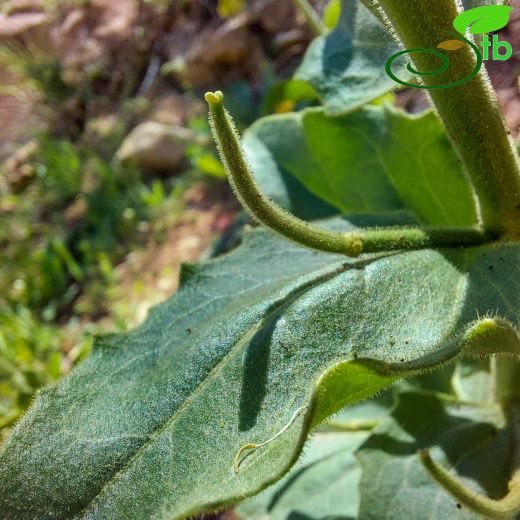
[16, 112]
[171, 108]
[18, 23]
[229, 44]
[18, 169]
[156, 146]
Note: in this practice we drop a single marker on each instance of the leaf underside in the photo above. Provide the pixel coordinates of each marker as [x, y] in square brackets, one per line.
[346, 66]
[148, 426]
[324, 484]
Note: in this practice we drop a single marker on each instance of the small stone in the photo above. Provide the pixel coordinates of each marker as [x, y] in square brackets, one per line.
[155, 146]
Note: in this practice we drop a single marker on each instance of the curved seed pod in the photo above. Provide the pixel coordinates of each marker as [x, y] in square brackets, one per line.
[504, 509]
[267, 212]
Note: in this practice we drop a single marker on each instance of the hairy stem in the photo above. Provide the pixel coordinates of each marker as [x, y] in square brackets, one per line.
[506, 508]
[271, 215]
[313, 20]
[469, 111]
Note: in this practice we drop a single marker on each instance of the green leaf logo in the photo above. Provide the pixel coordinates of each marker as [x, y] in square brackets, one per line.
[483, 19]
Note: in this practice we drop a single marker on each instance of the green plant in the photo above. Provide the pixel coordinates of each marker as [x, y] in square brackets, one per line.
[37, 74]
[75, 217]
[212, 399]
[31, 356]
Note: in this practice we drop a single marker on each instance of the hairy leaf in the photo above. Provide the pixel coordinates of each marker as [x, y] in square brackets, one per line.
[374, 160]
[329, 482]
[347, 66]
[149, 425]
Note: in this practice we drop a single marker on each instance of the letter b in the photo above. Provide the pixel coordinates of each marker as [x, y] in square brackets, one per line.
[497, 44]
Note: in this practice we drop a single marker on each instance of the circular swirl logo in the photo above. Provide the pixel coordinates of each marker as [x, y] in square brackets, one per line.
[479, 20]
[441, 69]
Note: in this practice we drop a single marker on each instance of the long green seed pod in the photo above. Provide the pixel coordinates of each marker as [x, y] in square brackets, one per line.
[504, 509]
[274, 217]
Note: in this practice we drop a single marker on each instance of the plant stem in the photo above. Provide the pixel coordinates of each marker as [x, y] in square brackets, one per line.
[274, 217]
[504, 509]
[313, 20]
[507, 393]
[470, 111]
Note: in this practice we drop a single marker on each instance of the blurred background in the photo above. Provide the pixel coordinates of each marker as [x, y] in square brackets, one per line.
[108, 176]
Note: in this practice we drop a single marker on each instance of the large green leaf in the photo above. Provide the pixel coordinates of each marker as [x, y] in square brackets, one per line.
[347, 66]
[285, 189]
[148, 426]
[471, 439]
[375, 160]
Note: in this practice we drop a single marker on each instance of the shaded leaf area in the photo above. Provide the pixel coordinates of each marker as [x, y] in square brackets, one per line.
[148, 426]
[469, 438]
[377, 474]
[473, 381]
[375, 160]
[283, 187]
[468, 379]
[347, 66]
[324, 483]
